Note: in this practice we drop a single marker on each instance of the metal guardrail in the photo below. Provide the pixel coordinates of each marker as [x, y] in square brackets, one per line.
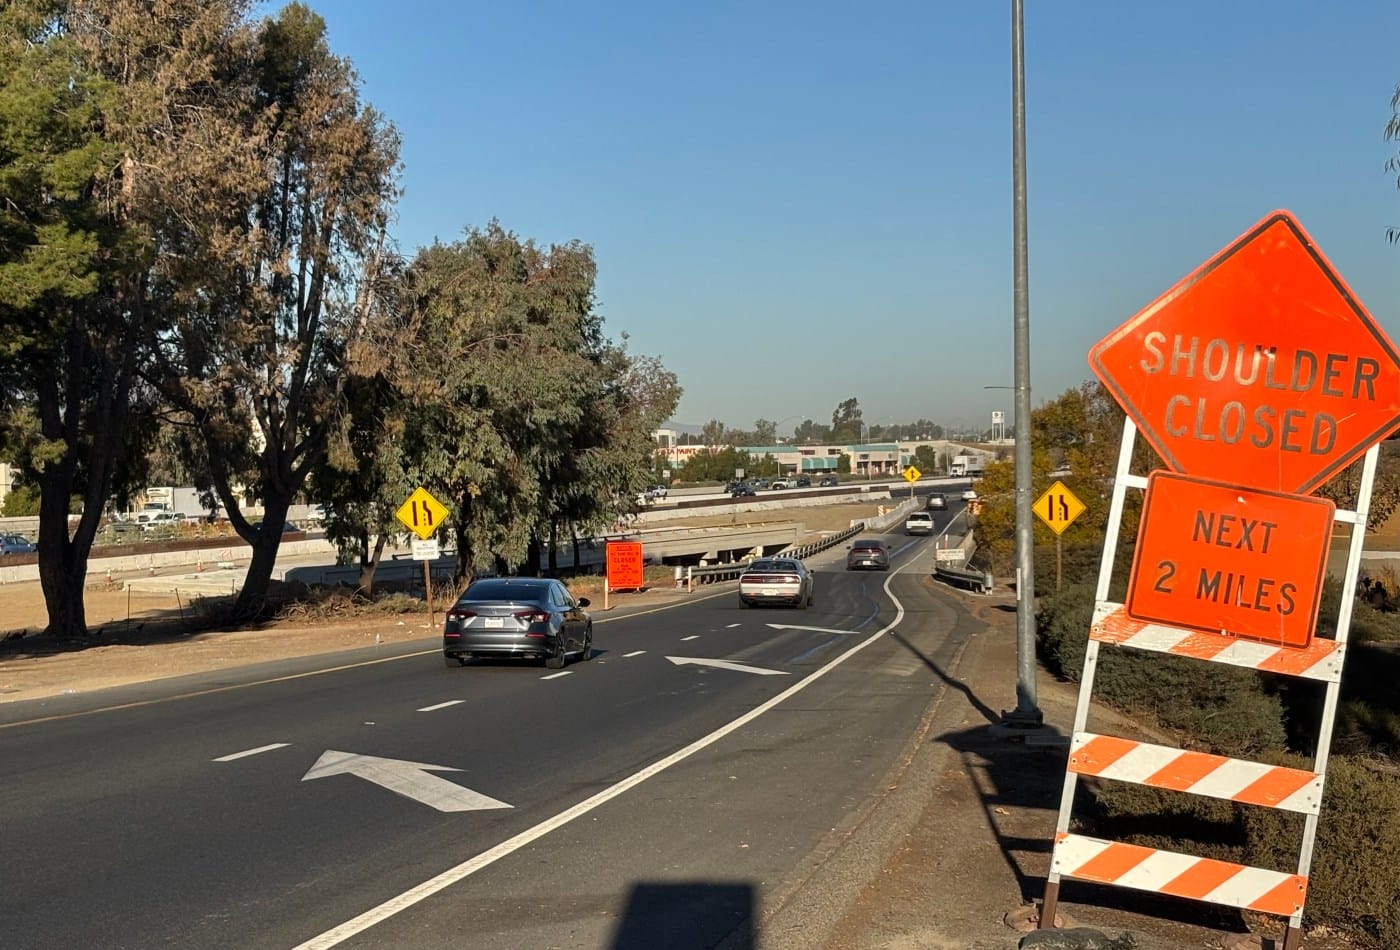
[977, 580]
[723, 572]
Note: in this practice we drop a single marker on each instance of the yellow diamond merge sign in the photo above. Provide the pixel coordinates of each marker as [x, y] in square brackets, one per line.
[422, 513]
[1058, 507]
[912, 474]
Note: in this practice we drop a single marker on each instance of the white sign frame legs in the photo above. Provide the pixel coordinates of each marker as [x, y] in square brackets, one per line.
[1123, 480]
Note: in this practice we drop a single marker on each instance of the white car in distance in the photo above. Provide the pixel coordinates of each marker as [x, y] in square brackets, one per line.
[918, 522]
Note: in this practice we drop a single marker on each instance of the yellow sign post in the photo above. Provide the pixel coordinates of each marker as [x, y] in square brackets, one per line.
[421, 514]
[1058, 508]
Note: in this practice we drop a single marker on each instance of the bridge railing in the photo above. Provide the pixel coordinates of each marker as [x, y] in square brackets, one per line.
[725, 572]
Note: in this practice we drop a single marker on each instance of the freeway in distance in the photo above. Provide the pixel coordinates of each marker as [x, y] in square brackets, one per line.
[268, 814]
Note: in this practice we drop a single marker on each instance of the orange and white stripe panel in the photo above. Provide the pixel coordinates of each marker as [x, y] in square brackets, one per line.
[1180, 875]
[1197, 773]
[1319, 660]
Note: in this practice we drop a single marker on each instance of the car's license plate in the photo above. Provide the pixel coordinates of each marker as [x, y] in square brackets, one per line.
[770, 592]
[493, 623]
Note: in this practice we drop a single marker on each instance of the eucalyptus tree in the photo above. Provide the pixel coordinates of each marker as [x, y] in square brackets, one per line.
[281, 248]
[846, 421]
[367, 471]
[525, 417]
[102, 105]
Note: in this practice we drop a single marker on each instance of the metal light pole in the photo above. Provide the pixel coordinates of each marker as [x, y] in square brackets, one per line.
[1027, 712]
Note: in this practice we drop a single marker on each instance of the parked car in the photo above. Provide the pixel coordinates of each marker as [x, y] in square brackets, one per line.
[918, 522]
[517, 617]
[776, 581]
[936, 502]
[869, 554]
[803, 482]
[760, 482]
[656, 491]
[829, 481]
[16, 544]
[743, 490]
[733, 484]
[779, 484]
[162, 519]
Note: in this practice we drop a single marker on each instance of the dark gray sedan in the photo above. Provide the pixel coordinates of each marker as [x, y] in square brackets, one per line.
[517, 617]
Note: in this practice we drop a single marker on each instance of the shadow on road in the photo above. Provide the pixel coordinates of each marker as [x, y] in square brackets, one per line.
[687, 916]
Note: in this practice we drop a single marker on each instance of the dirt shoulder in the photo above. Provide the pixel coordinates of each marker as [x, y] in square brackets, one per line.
[138, 636]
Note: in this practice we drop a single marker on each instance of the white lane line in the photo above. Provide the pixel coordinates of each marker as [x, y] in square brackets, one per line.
[450, 702]
[435, 651]
[693, 636]
[555, 676]
[247, 752]
[732, 626]
[339, 934]
[633, 653]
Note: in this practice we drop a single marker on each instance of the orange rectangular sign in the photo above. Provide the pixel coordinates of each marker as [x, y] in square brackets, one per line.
[1231, 561]
[625, 566]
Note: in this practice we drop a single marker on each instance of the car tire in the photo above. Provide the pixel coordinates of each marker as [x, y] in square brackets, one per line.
[557, 659]
[454, 662]
[587, 652]
[744, 604]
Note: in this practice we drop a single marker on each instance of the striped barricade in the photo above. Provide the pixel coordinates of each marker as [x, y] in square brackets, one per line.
[1180, 875]
[1319, 660]
[1259, 784]
[1197, 773]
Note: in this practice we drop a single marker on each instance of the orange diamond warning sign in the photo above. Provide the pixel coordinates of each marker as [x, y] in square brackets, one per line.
[1261, 368]
[1231, 561]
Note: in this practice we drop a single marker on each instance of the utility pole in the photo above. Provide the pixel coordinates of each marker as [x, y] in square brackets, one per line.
[1027, 713]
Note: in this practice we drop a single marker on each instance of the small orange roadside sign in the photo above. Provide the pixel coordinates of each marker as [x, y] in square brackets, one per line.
[625, 566]
[1230, 561]
[1260, 368]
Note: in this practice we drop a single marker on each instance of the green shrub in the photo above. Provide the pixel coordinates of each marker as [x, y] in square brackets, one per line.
[1172, 821]
[1353, 885]
[1062, 629]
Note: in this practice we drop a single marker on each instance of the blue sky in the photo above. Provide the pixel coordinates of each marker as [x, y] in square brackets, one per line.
[795, 203]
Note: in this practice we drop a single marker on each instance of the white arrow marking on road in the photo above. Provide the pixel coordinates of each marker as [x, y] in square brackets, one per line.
[410, 779]
[788, 626]
[724, 665]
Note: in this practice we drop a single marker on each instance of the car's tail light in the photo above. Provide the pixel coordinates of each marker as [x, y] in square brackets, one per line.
[532, 616]
[790, 579]
[458, 617]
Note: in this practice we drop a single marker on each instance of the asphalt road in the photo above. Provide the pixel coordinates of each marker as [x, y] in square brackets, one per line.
[634, 801]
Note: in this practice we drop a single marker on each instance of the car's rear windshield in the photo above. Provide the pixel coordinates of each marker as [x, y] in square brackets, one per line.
[505, 590]
[773, 566]
[867, 545]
